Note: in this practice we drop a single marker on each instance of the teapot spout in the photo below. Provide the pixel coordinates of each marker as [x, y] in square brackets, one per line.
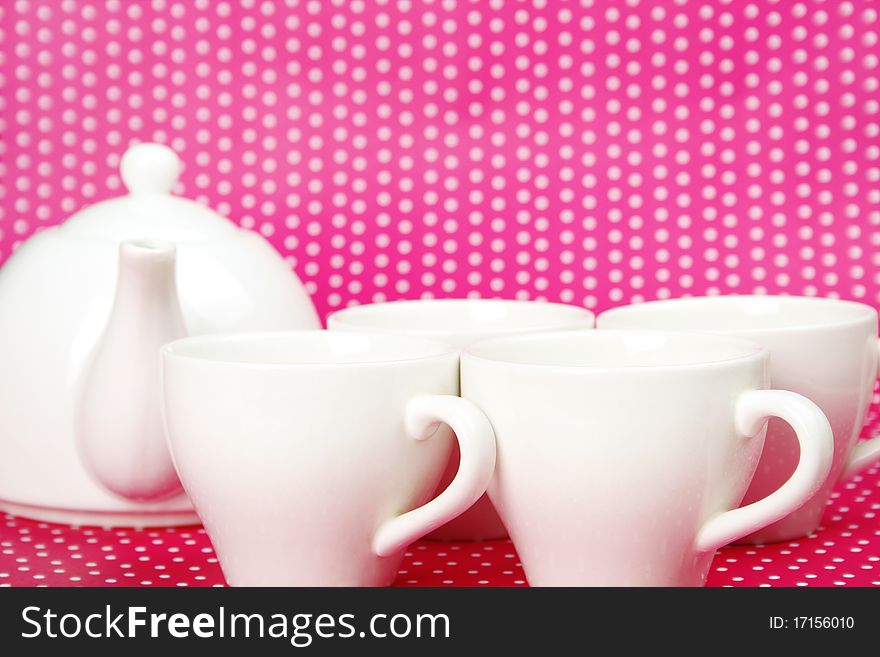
[120, 430]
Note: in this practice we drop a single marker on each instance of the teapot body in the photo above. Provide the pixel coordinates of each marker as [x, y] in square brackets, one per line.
[56, 295]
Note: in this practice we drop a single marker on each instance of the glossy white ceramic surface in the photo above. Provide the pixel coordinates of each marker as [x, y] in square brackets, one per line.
[120, 431]
[312, 457]
[57, 296]
[824, 349]
[461, 322]
[623, 455]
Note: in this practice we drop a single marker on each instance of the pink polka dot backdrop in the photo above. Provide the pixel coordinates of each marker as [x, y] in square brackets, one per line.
[595, 153]
[844, 552]
[592, 152]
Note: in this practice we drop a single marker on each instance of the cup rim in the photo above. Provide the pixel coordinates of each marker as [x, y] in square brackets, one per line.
[751, 350]
[348, 317]
[863, 312]
[182, 349]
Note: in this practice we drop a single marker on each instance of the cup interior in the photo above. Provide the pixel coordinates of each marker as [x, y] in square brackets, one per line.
[737, 313]
[615, 349]
[443, 316]
[305, 348]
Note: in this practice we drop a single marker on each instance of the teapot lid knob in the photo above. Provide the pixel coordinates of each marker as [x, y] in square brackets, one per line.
[150, 168]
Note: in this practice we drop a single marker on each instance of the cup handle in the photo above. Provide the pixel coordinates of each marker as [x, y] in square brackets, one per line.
[864, 453]
[476, 440]
[816, 440]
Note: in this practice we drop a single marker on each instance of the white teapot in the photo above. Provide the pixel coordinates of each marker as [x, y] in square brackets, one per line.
[84, 308]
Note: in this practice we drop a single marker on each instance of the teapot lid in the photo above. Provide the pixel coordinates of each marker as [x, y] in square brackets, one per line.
[149, 211]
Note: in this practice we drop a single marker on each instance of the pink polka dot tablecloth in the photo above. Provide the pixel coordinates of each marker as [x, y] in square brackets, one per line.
[844, 552]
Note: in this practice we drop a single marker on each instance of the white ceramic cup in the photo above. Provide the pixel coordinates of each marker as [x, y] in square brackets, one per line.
[461, 322]
[311, 456]
[623, 455]
[824, 349]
